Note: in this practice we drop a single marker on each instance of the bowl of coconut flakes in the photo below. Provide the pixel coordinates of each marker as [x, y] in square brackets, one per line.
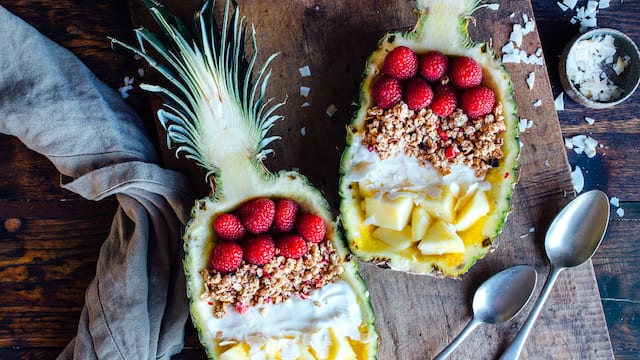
[600, 68]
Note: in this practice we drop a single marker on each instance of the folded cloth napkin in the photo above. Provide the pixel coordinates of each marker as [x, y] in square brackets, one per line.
[136, 306]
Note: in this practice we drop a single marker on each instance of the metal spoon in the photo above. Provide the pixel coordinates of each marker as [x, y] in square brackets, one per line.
[497, 300]
[572, 238]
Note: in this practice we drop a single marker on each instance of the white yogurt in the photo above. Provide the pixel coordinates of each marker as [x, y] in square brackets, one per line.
[333, 306]
[401, 175]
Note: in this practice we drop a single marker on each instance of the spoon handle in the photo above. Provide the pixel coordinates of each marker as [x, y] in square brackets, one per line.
[458, 340]
[513, 351]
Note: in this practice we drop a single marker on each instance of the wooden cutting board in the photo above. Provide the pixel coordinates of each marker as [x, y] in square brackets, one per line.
[417, 316]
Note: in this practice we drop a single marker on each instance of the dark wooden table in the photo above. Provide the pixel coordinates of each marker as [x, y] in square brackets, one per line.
[50, 237]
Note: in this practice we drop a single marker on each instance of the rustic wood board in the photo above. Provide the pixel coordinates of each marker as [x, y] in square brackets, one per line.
[417, 316]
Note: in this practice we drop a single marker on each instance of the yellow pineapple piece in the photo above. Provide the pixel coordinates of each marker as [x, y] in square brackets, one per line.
[365, 188]
[239, 351]
[441, 238]
[472, 211]
[341, 348]
[399, 240]
[420, 221]
[305, 354]
[442, 207]
[390, 214]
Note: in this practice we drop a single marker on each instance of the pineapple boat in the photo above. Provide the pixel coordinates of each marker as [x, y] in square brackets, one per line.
[429, 167]
[268, 274]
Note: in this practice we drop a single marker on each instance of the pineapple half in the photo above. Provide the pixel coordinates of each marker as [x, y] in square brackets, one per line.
[217, 116]
[442, 230]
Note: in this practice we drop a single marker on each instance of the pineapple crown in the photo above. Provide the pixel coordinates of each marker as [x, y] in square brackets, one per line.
[215, 95]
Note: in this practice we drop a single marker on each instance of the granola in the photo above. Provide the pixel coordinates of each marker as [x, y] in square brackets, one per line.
[274, 282]
[442, 142]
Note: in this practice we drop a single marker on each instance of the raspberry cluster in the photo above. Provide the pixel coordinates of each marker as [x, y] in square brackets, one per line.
[262, 229]
[433, 80]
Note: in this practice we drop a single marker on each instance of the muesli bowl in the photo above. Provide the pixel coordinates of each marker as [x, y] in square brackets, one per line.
[600, 68]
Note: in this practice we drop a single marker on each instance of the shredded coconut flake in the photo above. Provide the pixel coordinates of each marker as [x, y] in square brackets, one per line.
[620, 212]
[614, 201]
[303, 131]
[531, 79]
[305, 104]
[304, 91]
[537, 103]
[493, 6]
[577, 179]
[331, 110]
[305, 71]
[589, 120]
[559, 102]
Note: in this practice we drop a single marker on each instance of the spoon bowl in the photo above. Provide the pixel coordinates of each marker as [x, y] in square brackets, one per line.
[576, 232]
[497, 300]
[572, 238]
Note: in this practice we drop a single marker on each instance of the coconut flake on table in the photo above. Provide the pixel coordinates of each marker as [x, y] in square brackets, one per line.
[562, 6]
[331, 110]
[582, 144]
[620, 212]
[559, 102]
[577, 179]
[614, 201]
[305, 104]
[304, 71]
[305, 90]
[303, 131]
[525, 124]
[538, 103]
[589, 120]
[531, 79]
[571, 4]
[603, 4]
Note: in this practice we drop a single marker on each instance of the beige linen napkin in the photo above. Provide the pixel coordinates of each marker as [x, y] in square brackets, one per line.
[136, 306]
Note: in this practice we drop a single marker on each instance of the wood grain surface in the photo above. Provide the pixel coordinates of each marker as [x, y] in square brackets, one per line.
[51, 237]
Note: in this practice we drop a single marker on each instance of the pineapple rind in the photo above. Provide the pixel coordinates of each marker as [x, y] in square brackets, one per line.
[198, 242]
[419, 41]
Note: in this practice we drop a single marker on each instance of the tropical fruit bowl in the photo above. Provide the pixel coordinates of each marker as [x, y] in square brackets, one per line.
[268, 273]
[432, 151]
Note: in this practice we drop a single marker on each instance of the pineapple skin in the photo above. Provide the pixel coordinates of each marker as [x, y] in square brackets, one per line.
[441, 23]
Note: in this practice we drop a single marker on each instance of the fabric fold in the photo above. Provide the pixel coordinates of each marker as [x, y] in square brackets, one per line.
[136, 306]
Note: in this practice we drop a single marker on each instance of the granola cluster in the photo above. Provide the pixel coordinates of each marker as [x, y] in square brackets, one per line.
[274, 282]
[443, 142]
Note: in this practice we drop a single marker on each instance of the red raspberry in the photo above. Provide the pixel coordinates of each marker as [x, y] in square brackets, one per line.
[259, 249]
[286, 214]
[477, 101]
[311, 227]
[387, 92]
[257, 215]
[226, 257]
[417, 94]
[229, 227]
[401, 63]
[292, 246]
[444, 101]
[465, 72]
[433, 65]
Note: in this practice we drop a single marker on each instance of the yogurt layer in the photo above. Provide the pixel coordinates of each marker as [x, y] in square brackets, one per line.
[401, 175]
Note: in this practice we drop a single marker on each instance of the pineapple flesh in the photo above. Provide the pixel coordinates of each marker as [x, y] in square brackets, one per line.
[216, 114]
[407, 215]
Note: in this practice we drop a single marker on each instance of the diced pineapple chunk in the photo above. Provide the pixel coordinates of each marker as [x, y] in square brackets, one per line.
[305, 354]
[341, 348]
[390, 214]
[420, 221]
[441, 238]
[399, 240]
[236, 352]
[442, 207]
[365, 188]
[472, 211]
